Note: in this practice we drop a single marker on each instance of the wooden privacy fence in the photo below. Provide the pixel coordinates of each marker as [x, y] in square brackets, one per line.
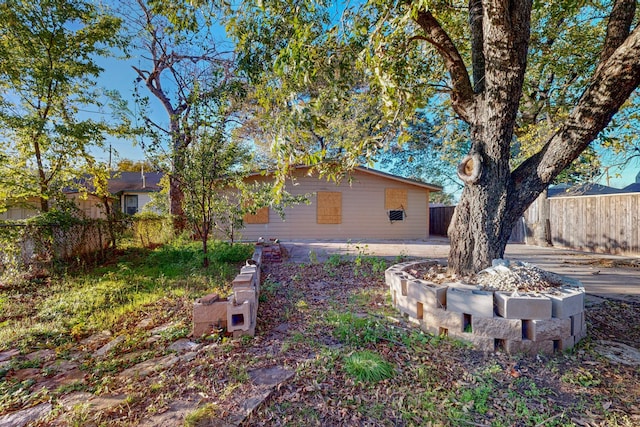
[440, 218]
[604, 223]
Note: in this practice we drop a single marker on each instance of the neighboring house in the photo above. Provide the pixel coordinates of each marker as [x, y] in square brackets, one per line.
[20, 210]
[132, 191]
[586, 189]
[368, 204]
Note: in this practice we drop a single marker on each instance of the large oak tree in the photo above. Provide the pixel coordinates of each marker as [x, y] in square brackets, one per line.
[493, 201]
[472, 57]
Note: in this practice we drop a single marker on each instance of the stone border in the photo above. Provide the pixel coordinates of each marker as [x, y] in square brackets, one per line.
[491, 320]
[238, 313]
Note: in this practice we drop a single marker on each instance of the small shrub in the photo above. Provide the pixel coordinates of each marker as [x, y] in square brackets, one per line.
[581, 377]
[151, 229]
[367, 366]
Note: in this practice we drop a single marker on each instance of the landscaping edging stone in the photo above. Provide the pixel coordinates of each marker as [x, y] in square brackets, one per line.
[532, 322]
[238, 313]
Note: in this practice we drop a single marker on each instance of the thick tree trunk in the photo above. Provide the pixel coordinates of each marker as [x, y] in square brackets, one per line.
[176, 199]
[478, 230]
[494, 199]
[483, 219]
[176, 193]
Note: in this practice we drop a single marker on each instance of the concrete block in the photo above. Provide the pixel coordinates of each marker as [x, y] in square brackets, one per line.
[566, 302]
[478, 343]
[529, 306]
[208, 299]
[470, 301]
[565, 343]
[397, 298]
[399, 281]
[390, 272]
[577, 324]
[239, 316]
[408, 308]
[242, 295]
[252, 269]
[528, 346]
[548, 329]
[497, 327]
[209, 316]
[243, 281]
[431, 295]
[438, 320]
[257, 255]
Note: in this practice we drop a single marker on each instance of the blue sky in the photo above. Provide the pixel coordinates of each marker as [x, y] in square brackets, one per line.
[119, 75]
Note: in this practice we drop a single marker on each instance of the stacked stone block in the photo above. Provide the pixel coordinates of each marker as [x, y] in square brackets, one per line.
[516, 323]
[238, 313]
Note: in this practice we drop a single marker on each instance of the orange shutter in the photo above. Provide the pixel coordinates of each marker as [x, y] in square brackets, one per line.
[395, 199]
[260, 217]
[329, 210]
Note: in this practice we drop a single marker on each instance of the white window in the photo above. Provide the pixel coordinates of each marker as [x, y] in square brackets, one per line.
[131, 204]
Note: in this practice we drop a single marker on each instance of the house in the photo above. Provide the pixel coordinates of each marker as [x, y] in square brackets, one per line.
[22, 209]
[368, 204]
[585, 189]
[132, 191]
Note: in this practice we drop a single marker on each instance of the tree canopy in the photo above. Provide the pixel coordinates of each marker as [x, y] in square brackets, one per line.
[535, 82]
[48, 71]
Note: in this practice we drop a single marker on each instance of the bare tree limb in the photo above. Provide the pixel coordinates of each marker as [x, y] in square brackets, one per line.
[462, 96]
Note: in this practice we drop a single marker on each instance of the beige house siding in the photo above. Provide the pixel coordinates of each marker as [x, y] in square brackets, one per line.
[363, 210]
[15, 213]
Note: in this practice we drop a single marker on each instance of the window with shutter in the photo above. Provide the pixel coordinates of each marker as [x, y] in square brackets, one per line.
[329, 207]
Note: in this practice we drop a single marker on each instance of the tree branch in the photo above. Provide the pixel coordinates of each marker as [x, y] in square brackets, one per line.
[477, 44]
[611, 85]
[462, 96]
[619, 27]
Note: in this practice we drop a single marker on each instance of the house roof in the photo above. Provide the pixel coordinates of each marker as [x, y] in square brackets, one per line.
[134, 182]
[586, 189]
[632, 188]
[430, 187]
[130, 182]
[386, 175]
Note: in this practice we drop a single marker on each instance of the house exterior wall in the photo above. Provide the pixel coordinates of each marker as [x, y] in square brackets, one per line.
[363, 212]
[15, 213]
[91, 206]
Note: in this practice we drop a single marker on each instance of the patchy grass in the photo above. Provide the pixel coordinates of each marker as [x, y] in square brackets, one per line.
[201, 417]
[77, 304]
[356, 361]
